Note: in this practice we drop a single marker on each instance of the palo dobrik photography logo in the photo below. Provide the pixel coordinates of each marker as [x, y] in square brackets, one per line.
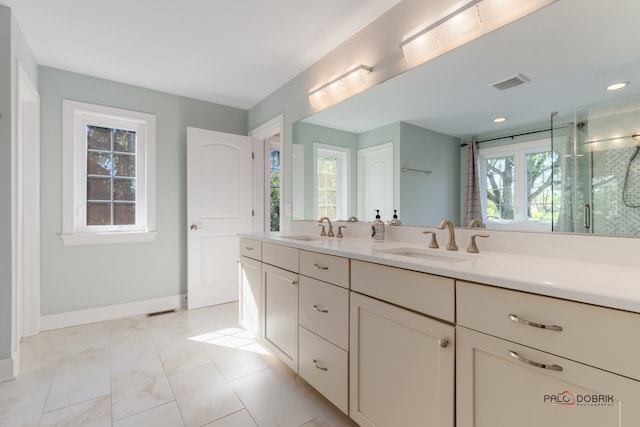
[564, 398]
[567, 398]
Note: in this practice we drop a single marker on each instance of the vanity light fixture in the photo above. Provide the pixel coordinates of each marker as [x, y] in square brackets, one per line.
[499, 119]
[616, 86]
[341, 87]
[464, 22]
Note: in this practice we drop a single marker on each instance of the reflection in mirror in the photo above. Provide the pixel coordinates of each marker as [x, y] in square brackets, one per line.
[377, 159]
[598, 176]
[426, 113]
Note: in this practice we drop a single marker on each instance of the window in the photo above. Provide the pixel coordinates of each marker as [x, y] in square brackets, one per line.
[274, 185]
[108, 175]
[331, 181]
[516, 185]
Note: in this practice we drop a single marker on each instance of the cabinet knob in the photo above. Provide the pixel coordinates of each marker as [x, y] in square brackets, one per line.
[444, 343]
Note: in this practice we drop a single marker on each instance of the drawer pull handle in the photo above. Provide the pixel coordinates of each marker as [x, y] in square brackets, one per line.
[532, 363]
[249, 248]
[322, 368]
[534, 324]
[320, 267]
[320, 310]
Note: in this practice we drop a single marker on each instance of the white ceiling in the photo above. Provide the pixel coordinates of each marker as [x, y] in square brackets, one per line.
[571, 50]
[231, 52]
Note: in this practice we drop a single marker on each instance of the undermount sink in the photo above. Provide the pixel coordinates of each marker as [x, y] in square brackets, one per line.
[429, 254]
[304, 238]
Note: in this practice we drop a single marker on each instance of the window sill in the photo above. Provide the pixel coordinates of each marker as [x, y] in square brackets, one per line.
[106, 238]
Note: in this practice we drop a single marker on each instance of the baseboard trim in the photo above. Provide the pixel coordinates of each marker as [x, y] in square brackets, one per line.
[7, 370]
[82, 317]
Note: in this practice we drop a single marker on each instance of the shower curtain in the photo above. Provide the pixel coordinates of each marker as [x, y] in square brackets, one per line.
[472, 208]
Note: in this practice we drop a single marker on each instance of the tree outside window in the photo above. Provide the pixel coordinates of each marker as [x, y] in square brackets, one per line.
[518, 182]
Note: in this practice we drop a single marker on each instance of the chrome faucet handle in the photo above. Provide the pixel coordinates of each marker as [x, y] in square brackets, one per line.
[473, 248]
[434, 241]
[339, 235]
[323, 232]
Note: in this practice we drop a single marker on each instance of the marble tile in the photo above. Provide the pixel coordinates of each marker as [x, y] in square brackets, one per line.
[46, 346]
[166, 415]
[182, 356]
[274, 400]
[94, 413]
[236, 362]
[22, 410]
[133, 352]
[190, 368]
[237, 419]
[33, 376]
[139, 389]
[203, 395]
[125, 330]
[86, 341]
[77, 381]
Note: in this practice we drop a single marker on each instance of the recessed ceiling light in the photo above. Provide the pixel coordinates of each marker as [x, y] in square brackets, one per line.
[499, 119]
[617, 86]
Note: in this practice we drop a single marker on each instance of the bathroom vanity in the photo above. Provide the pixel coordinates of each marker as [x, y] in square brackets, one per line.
[398, 334]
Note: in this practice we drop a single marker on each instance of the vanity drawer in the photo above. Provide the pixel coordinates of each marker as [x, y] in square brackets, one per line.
[597, 336]
[325, 367]
[324, 309]
[329, 268]
[251, 248]
[422, 292]
[280, 256]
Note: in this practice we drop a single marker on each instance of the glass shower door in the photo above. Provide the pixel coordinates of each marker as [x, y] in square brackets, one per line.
[598, 177]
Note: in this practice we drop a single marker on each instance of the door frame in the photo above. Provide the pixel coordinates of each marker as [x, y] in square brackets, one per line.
[26, 199]
[260, 134]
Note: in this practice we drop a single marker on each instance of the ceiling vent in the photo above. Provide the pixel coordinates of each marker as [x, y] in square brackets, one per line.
[510, 82]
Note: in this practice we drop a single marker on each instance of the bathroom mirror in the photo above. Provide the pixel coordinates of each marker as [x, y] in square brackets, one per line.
[444, 102]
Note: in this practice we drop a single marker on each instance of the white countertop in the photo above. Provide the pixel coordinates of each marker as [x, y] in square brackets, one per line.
[601, 284]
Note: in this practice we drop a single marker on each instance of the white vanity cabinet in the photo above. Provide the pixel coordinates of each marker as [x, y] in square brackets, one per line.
[401, 359]
[324, 325]
[280, 283]
[250, 280]
[530, 360]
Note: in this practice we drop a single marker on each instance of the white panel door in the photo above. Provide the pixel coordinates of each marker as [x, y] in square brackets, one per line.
[219, 205]
[375, 182]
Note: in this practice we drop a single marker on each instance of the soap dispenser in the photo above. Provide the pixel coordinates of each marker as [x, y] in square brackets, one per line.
[377, 228]
[395, 220]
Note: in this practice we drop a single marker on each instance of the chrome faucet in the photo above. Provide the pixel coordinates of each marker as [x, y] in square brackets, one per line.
[451, 245]
[330, 233]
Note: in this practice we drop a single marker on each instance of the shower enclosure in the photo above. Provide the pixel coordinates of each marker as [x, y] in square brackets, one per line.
[597, 176]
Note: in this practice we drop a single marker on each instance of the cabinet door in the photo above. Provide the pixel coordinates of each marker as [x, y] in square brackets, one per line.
[498, 385]
[401, 367]
[251, 295]
[280, 319]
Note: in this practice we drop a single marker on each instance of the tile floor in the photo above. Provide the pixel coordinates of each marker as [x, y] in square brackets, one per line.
[190, 368]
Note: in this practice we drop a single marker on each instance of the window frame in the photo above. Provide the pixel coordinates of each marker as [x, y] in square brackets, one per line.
[519, 151]
[343, 174]
[76, 117]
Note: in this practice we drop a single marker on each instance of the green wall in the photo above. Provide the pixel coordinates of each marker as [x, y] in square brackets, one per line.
[89, 276]
[13, 50]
